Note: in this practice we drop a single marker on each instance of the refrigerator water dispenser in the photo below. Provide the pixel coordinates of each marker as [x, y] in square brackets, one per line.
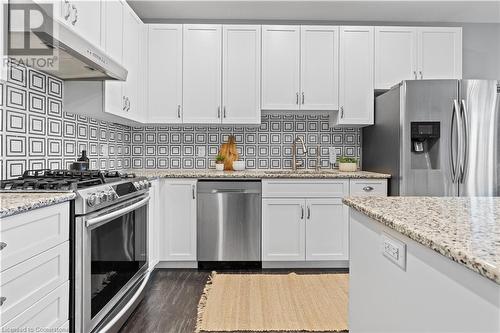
[425, 144]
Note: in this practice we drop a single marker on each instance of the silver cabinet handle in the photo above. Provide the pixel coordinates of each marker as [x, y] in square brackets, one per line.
[341, 112]
[302, 212]
[368, 188]
[3, 245]
[297, 98]
[308, 212]
[193, 190]
[218, 112]
[224, 111]
[421, 75]
[415, 74]
[67, 9]
[2, 300]
[303, 97]
[178, 111]
[124, 100]
[76, 15]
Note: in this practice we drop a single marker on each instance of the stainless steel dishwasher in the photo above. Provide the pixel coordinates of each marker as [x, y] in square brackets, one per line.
[229, 221]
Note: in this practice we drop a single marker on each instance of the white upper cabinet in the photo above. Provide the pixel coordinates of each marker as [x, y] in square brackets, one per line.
[319, 65]
[395, 55]
[202, 73]
[280, 67]
[131, 33]
[439, 53]
[82, 15]
[241, 74]
[410, 53]
[356, 96]
[164, 93]
[112, 37]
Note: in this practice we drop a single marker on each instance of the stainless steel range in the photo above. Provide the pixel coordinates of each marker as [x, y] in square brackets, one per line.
[109, 242]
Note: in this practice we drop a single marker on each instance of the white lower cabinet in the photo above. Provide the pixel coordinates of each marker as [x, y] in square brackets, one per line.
[34, 260]
[304, 225]
[327, 230]
[178, 224]
[154, 221]
[283, 229]
[49, 313]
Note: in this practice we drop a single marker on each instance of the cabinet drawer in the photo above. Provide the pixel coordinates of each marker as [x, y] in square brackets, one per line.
[368, 187]
[31, 233]
[305, 188]
[49, 313]
[24, 284]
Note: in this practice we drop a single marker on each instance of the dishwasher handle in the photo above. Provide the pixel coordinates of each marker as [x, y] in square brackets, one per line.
[238, 191]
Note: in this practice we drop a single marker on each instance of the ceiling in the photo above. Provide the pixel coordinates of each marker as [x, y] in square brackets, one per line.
[319, 10]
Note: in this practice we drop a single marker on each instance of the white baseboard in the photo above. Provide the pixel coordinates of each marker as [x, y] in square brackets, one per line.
[306, 264]
[177, 264]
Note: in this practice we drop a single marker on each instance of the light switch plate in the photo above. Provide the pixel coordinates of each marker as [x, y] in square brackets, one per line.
[394, 250]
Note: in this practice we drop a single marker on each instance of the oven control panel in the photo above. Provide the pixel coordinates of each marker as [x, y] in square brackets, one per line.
[104, 195]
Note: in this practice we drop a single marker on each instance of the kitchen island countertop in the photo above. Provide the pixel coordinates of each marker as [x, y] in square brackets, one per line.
[466, 230]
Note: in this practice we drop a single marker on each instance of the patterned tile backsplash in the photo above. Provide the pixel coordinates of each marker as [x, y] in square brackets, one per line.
[268, 146]
[37, 133]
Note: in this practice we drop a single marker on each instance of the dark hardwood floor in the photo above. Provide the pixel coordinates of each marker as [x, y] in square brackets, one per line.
[171, 301]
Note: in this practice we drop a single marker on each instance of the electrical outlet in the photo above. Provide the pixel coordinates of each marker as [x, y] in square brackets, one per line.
[200, 151]
[394, 250]
[332, 155]
[104, 150]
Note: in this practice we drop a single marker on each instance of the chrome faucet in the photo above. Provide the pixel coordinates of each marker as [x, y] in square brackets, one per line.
[296, 163]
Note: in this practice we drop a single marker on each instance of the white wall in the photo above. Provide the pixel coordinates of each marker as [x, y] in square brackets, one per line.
[481, 51]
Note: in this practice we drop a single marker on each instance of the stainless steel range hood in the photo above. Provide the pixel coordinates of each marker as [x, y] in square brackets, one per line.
[74, 57]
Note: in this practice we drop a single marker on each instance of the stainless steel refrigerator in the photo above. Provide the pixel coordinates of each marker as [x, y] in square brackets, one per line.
[437, 138]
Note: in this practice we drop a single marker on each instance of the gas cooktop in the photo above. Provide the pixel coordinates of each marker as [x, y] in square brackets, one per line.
[61, 180]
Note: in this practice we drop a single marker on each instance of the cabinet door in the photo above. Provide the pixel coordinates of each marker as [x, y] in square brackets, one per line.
[131, 33]
[112, 23]
[164, 73]
[283, 230]
[241, 74]
[440, 53]
[82, 16]
[319, 62]
[154, 217]
[178, 235]
[395, 55]
[356, 76]
[280, 67]
[202, 73]
[327, 229]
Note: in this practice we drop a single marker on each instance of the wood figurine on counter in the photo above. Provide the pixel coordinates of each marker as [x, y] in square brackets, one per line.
[229, 152]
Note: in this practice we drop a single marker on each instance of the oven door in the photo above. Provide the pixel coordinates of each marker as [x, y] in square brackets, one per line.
[111, 254]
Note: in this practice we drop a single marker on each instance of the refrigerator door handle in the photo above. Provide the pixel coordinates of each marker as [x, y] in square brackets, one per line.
[454, 119]
[465, 140]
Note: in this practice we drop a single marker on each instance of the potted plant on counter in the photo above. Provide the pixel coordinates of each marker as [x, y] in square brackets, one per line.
[347, 164]
[219, 162]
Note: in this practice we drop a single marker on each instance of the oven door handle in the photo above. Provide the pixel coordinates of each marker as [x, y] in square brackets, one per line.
[97, 220]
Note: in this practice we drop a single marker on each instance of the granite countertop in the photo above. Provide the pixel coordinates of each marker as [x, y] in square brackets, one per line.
[256, 174]
[466, 230]
[12, 203]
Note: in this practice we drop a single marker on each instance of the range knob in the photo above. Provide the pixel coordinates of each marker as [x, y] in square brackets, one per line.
[102, 197]
[142, 185]
[91, 200]
[110, 196]
[137, 186]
